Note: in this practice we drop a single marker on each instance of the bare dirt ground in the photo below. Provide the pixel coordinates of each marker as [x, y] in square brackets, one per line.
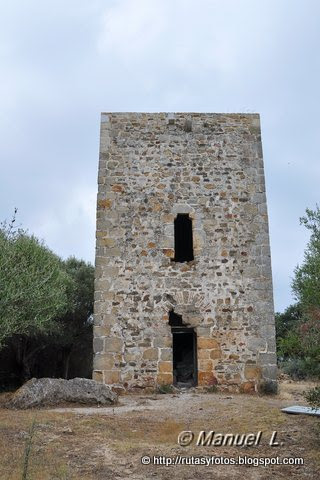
[108, 443]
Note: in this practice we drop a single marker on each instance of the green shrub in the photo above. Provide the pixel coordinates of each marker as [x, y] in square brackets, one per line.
[301, 368]
[290, 345]
[268, 387]
[165, 389]
[313, 397]
[212, 389]
[294, 367]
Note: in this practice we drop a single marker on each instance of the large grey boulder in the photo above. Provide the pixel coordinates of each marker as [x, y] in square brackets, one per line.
[52, 391]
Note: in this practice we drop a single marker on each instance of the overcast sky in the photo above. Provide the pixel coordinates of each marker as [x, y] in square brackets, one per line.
[63, 62]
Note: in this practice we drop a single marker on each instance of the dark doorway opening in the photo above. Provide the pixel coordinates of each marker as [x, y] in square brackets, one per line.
[183, 241]
[184, 356]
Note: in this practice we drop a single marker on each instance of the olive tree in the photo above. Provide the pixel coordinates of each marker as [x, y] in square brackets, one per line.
[33, 284]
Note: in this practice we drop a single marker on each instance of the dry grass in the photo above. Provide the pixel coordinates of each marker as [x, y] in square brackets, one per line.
[109, 445]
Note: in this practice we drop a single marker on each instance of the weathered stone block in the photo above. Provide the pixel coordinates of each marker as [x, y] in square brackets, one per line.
[205, 365]
[166, 354]
[113, 344]
[207, 379]
[111, 376]
[203, 354]
[215, 354]
[105, 204]
[103, 362]
[165, 367]
[102, 331]
[98, 345]
[247, 387]
[205, 342]
[162, 342]
[151, 354]
[108, 242]
[267, 358]
[252, 372]
[132, 356]
[164, 379]
[97, 376]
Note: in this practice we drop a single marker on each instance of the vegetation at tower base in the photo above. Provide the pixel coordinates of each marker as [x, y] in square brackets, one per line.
[313, 397]
[298, 328]
[46, 307]
[75, 332]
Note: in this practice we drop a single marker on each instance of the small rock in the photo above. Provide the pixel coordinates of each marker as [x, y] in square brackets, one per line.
[67, 430]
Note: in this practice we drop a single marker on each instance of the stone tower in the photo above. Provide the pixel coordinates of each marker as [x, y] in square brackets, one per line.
[183, 289]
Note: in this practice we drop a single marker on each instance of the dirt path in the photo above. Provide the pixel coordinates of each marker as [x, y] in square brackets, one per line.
[108, 443]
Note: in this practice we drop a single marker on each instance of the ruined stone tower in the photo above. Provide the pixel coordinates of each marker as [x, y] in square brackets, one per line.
[183, 290]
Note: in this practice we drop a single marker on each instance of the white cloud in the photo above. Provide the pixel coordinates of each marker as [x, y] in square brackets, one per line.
[68, 226]
[206, 35]
[132, 27]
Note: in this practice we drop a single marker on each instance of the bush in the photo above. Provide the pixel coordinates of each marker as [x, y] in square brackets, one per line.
[268, 387]
[287, 322]
[295, 368]
[165, 389]
[298, 341]
[212, 389]
[290, 345]
[313, 397]
[301, 368]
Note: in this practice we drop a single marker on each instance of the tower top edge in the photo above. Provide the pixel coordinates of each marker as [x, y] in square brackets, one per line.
[199, 114]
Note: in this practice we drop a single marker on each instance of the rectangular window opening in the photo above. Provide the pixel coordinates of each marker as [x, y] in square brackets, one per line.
[183, 238]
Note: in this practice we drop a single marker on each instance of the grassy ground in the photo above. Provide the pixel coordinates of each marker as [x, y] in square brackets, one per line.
[108, 443]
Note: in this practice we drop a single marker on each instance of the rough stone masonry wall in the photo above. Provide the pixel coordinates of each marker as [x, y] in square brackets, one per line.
[152, 167]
